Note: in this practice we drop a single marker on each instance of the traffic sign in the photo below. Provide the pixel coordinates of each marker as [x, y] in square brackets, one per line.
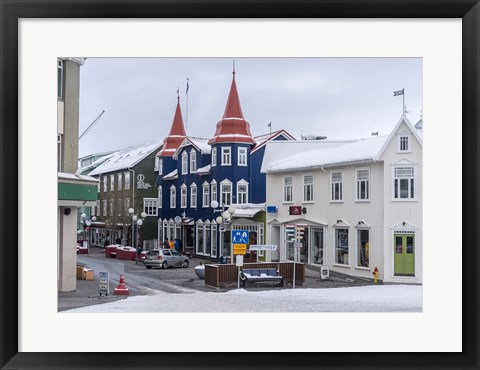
[240, 236]
[239, 249]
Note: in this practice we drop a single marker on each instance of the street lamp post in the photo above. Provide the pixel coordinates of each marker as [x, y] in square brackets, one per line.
[225, 215]
[136, 221]
[86, 224]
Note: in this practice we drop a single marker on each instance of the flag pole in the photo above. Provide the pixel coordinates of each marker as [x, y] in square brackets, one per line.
[403, 95]
[186, 112]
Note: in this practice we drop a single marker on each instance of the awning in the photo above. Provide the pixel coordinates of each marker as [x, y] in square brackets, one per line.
[246, 212]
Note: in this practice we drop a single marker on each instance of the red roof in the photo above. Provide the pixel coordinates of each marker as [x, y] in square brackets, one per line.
[176, 135]
[232, 127]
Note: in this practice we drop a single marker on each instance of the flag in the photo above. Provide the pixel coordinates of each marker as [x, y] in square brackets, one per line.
[187, 87]
[399, 92]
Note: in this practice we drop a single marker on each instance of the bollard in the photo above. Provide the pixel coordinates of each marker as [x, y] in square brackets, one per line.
[121, 289]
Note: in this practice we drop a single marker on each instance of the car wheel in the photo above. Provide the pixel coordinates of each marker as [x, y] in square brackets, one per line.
[165, 265]
[148, 267]
[185, 264]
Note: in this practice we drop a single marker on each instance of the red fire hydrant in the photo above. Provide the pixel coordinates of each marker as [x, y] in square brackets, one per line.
[375, 275]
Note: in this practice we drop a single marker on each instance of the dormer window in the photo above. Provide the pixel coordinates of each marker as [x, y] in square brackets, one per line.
[214, 157]
[193, 161]
[160, 166]
[184, 163]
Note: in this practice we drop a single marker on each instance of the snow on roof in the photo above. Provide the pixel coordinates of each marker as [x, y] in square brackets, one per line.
[204, 170]
[172, 175]
[201, 144]
[127, 158]
[263, 139]
[347, 152]
[71, 176]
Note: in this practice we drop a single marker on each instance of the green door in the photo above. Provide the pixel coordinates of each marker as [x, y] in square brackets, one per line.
[404, 255]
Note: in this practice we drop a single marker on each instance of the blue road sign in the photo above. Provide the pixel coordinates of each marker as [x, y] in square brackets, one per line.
[240, 237]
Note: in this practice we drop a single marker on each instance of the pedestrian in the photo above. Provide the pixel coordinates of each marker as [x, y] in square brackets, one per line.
[107, 243]
[118, 241]
[165, 244]
[177, 244]
[171, 244]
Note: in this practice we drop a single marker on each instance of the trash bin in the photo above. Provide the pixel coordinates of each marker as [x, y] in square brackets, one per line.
[223, 259]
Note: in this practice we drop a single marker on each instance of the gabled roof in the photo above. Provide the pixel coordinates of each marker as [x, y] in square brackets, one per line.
[175, 136]
[263, 139]
[405, 120]
[199, 143]
[171, 176]
[232, 128]
[127, 158]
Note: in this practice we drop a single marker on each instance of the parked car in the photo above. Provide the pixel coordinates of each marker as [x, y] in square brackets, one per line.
[165, 258]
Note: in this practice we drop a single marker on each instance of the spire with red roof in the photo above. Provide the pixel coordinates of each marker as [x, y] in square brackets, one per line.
[176, 135]
[233, 128]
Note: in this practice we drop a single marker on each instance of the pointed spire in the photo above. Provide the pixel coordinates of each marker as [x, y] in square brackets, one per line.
[176, 134]
[233, 127]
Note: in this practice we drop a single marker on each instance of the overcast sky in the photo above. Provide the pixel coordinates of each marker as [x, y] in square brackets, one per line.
[334, 97]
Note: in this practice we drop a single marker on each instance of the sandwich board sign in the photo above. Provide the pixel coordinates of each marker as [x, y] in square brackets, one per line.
[103, 284]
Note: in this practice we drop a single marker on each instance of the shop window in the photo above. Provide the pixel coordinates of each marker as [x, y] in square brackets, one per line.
[363, 248]
[341, 246]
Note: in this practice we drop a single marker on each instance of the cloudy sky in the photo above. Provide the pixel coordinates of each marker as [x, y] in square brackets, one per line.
[333, 97]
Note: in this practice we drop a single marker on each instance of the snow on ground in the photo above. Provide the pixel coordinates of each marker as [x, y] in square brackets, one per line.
[381, 298]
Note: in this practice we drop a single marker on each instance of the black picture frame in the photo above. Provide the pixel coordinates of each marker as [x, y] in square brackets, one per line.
[12, 11]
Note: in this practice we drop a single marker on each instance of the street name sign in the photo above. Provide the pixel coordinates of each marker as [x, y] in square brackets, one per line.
[256, 247]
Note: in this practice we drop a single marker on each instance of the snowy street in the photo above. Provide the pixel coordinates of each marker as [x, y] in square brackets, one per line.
[382, 298]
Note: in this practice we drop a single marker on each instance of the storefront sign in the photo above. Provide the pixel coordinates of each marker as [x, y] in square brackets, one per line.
[295, 210]
[263, 248]
[141, 184]
[103, 284]
[239, 249]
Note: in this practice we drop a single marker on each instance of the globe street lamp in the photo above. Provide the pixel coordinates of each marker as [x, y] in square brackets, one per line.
[136, 221]
[225, 216]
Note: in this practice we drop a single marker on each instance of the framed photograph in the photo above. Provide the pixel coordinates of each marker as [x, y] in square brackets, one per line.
[443, 333]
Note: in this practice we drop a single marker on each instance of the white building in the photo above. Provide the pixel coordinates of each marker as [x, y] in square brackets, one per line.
[359, 203]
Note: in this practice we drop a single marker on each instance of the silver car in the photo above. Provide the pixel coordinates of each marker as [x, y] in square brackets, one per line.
[165, 258]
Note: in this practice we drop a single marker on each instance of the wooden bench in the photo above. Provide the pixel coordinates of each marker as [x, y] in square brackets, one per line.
[259, 275]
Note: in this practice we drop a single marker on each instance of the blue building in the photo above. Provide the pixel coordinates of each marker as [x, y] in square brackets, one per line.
[208, 187]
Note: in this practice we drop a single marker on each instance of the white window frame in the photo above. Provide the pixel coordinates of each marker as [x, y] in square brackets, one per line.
[359, 181]
[311, 186]
[155, 167]
[193, 161]
[160, 197]
[105, 184]
[126, 204]
[127, 180]
[119, 181]
[409, 181]
[358, 244]
[404, 138]
[111, 207]
[193, 195]
[242, 183]
[160, 166]
[173, 196]
[104, 207]
[184, 163]
[285, 190]
[242, 156]
[183, 196]
[112, 182]
[335, 246]
[214, 195]
[214, 157]
[226, 156]
[150, 206]
[334, 189]
[205, 195]
[225, 183]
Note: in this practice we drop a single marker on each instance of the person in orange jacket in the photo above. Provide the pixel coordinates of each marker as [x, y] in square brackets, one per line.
[171, 244]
